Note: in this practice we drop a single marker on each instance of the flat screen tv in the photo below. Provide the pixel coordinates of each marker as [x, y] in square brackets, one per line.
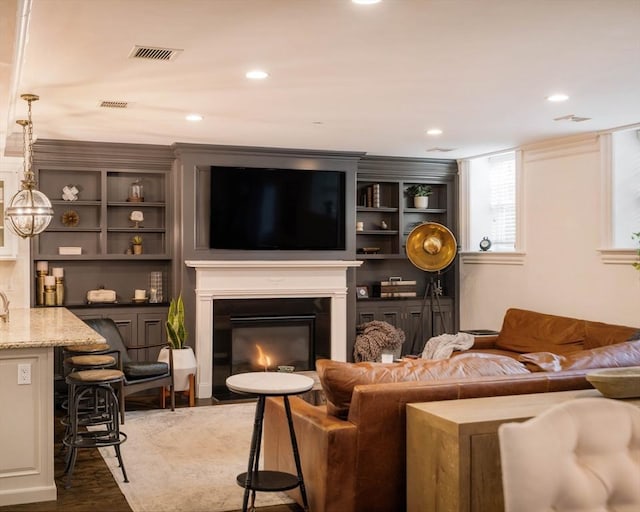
[277, 209]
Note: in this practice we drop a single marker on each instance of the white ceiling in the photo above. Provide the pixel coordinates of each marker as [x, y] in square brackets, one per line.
[342, 76]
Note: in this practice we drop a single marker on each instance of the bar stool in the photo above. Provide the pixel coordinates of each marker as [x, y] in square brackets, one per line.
[98, 384]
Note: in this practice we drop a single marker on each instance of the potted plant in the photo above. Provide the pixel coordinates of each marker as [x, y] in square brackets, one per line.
[136, 242]
[420, 194]
[184, 360]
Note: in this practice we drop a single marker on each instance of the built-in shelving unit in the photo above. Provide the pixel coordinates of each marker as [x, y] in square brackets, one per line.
[385, 215]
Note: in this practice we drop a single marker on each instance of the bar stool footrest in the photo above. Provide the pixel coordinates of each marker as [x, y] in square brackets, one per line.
[269, 481]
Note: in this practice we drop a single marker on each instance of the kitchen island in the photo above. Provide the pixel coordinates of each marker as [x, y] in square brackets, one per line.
[27, 342]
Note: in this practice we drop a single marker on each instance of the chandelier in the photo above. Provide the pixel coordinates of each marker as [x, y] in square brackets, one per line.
[29, 211]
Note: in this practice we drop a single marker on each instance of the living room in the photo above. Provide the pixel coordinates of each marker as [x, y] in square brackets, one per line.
[415, 66]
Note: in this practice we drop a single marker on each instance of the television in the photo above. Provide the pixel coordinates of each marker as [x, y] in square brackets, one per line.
[277, 209]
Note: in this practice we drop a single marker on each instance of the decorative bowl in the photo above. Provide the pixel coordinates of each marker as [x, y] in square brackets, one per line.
[617, 382]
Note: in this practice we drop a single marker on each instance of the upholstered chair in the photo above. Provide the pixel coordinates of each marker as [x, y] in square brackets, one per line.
[581, 455]
[138, 375]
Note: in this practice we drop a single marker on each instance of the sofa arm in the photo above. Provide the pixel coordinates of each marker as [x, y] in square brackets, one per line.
[327, 447]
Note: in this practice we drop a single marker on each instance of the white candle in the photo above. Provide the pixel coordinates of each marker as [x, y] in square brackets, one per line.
[42, 266]
[49, 281]
[140, 294]
[57, 272]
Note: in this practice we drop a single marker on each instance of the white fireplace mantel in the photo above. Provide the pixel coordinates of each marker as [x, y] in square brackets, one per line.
[253, 279]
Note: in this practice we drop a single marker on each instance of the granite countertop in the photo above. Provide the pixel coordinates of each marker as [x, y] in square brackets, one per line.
[45, 327]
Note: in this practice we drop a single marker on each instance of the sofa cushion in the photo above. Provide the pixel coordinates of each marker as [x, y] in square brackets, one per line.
[610, 356]
[598, 334]
[528, 331]
[338, 379]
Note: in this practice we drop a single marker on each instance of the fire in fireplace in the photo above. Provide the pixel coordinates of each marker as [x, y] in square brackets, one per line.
[264, 334]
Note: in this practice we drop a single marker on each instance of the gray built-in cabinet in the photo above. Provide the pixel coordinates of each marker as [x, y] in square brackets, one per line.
[98, 221]
[387, 221]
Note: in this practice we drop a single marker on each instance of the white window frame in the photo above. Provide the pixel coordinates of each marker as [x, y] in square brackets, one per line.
[473, 255]
[608, 253]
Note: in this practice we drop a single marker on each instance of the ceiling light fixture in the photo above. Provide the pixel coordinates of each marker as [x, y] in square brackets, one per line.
[256, 74]
[557, 97]
[366, 2]
[434, 131]
[29, 211]
[194, 117]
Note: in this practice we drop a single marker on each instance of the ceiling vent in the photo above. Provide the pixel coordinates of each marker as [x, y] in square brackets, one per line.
[439, 150]
[572, 117]
[153, 53]
[114, 104]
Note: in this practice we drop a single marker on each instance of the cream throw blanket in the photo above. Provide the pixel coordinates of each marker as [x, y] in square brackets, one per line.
[441, 347]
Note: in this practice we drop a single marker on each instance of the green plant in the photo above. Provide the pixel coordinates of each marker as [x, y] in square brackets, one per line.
[136, 240]
[636, 264]
[176, 331]
[419, 190]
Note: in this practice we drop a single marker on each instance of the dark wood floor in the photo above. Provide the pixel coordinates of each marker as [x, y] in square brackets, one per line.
[93, 488]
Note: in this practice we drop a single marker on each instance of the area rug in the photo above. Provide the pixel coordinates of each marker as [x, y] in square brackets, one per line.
[187, 460]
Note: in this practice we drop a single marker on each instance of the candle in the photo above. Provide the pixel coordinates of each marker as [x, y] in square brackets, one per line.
[57, 272]
[42, 266]
[140, 294]
[49, 281]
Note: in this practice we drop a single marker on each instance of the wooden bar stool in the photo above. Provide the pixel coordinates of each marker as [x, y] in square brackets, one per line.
[98, 384]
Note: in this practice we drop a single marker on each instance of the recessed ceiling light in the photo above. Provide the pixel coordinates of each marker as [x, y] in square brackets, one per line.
[256, 74]
[194, 117]
[557, 97]
[434, 131]
[366, 2]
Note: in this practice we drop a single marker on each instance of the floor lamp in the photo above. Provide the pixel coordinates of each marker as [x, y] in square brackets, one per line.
[431, 247]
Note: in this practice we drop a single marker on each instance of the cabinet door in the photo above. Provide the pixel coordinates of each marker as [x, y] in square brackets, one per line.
[417, 326]
[128, 325]
[437, 318]
[151, 331]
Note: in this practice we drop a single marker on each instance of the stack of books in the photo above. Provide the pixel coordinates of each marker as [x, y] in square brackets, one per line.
[372, 196]
[392, 289]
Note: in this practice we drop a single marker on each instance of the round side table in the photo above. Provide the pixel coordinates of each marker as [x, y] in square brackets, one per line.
[266, 384]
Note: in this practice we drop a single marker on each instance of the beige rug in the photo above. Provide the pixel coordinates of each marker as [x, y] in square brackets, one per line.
[187, 460]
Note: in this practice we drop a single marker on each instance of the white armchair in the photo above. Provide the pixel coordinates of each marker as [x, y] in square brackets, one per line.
[577, 456]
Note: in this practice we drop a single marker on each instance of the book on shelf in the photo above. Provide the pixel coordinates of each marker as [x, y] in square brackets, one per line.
[398, 283]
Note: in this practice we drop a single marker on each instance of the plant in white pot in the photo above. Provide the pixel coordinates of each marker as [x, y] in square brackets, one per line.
[184, 360]
[420, 194]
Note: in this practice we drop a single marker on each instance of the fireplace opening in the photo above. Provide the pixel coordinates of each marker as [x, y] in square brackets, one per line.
[263, 334]
[266, 343]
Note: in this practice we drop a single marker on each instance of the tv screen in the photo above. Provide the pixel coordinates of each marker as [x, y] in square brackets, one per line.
[277, 209]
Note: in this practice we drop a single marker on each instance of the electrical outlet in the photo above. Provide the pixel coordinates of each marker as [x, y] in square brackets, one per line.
[24, 373]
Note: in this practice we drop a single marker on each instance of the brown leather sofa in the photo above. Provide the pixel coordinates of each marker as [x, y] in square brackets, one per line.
[353, 448]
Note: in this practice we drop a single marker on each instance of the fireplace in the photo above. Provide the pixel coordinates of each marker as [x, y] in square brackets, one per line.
[279, 279]
[264, 334]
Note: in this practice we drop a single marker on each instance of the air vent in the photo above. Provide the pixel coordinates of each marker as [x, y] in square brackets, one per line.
[439, 150]
[152, 53]
[572, 118]
[114, 104]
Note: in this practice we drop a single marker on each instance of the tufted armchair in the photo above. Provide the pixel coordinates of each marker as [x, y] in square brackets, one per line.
[582, 455]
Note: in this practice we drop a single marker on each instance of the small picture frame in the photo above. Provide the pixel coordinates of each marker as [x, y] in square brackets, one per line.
[362, 292]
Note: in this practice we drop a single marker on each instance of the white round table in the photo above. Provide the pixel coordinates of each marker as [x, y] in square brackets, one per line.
[264, 384]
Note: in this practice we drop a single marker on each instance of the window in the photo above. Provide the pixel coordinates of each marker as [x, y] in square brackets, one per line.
[625, 188]
[491, 194]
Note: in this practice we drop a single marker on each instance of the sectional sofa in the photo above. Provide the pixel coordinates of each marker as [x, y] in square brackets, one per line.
[353, 447]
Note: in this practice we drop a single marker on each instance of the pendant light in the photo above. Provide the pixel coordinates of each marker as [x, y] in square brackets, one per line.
[29, 211]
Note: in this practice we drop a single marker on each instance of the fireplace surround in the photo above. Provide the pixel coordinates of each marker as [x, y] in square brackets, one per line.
[256, 279]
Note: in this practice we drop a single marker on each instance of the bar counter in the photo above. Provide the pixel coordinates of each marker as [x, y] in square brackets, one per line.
[27, 342]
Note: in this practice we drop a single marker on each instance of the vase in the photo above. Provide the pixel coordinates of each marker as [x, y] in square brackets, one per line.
[421, 201]
[137, 249]
[184, 364]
